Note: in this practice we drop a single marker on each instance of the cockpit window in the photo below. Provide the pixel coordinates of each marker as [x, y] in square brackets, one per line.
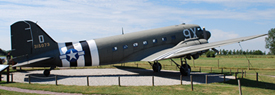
[199, 28]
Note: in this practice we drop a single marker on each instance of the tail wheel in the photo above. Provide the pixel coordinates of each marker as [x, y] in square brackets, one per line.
[185, 72]
[157, 67]
[47, 73]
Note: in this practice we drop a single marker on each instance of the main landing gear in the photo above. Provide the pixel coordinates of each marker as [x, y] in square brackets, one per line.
[156, 66]
[185, 69]
[47, 72]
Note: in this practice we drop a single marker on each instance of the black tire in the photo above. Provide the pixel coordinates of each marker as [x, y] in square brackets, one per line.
[46, 73]
[157, 67]
[183, 72]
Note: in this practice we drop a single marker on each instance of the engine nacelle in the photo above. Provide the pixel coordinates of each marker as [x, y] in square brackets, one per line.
[191, 42]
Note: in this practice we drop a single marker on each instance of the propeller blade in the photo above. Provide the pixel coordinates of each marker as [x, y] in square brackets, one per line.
[204, 33]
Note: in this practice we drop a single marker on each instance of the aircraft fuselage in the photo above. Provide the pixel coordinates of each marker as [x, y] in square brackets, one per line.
[126, 47]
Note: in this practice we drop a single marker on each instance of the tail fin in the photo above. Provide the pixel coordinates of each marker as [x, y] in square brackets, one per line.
[27, 38]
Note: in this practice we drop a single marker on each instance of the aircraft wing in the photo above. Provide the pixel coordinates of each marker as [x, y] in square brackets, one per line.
[181, 51]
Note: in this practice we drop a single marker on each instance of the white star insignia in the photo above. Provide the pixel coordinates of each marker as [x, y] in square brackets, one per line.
[72, 55]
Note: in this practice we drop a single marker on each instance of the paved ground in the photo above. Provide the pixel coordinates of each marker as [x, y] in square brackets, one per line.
[128, 77]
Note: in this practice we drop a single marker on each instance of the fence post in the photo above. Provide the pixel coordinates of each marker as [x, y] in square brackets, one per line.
[248, 65]
[236, 75]
[118, 80]
[230, 71]
[11, 77]
[211, 69]
[242, 73]
[240, 88]
[87, 80]
[222, 70]
[55, 80]
[153, 83]
[180, 79]
[200, 69]
[29, 79]
[191, 82]
[237, 70]
[218, 63]
[8, 74]
[206, 80]
[257, 78]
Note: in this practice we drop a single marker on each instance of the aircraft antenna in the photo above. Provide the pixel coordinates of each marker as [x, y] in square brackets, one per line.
[122, 31]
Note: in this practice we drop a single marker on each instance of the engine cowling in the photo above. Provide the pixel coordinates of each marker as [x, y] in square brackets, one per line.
[191, 42]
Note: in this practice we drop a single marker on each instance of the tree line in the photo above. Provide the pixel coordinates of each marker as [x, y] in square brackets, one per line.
[242, 52]
[211, 53]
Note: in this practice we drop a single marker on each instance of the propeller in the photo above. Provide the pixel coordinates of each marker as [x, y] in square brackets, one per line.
[205, 37]
[204, 33]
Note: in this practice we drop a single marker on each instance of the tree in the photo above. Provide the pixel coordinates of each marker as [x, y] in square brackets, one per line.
[230, 52]
[270, 41]
[234, 52]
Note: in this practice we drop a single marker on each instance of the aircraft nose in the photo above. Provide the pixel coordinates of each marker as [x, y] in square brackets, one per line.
[208, 34]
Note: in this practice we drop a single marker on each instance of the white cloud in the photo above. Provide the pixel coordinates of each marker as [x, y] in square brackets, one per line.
[218, 35]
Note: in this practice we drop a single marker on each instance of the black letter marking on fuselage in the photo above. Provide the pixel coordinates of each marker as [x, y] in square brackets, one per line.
[187, 33]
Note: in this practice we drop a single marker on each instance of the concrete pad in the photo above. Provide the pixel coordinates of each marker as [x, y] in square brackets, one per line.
[128, 77]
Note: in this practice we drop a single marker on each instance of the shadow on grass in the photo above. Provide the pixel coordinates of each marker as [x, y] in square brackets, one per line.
[252, 83]
[244, 81]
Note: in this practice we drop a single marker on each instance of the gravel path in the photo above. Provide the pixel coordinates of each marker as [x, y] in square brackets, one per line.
[100, 77]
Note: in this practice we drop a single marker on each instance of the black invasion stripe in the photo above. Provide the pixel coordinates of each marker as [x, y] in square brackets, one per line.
[69, 45]
[87, 56]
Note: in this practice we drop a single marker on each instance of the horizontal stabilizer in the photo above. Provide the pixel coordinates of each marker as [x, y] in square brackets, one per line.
[33, 61]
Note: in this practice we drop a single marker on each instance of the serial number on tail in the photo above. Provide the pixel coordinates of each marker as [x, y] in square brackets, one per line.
[43, 45]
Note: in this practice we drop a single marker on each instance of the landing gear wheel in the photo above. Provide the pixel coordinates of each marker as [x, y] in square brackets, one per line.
[185, 72]
[156, 67]
[47, 73]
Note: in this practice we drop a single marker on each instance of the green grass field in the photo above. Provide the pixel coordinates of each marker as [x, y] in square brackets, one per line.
[265, 66]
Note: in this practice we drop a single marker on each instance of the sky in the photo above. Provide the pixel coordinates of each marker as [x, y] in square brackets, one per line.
[75, 20]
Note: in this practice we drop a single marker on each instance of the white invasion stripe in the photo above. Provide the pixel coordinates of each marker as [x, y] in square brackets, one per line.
[62, 49]
[94, 52]
[61, 45]
[80, 60]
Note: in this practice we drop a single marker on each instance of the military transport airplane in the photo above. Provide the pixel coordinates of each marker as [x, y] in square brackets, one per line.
[33, 47]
